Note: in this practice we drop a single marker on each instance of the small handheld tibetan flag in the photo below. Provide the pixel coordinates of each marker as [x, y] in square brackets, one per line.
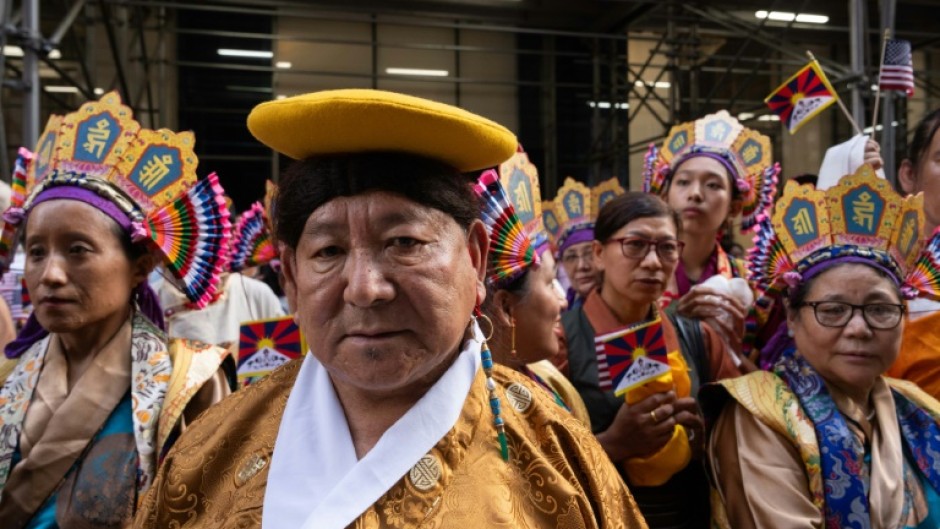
[897, 72]
[802, 96]
[632, 356]
[265, 345]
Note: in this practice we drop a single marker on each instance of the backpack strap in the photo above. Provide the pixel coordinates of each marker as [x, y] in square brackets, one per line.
[693, 348]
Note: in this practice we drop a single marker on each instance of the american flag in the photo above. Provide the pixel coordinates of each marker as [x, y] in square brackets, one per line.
[897, 72]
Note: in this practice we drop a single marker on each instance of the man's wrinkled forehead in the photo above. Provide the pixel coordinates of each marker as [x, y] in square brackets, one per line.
[373, 209]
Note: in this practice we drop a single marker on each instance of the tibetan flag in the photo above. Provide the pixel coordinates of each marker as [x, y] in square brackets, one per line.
[632, 356]
[265, 345]
[802, 96]
[897, 72]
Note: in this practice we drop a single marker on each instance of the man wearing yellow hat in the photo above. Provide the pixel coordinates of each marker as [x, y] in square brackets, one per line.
[397, 417]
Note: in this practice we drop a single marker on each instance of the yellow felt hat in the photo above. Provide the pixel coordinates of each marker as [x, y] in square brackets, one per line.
[359, 120]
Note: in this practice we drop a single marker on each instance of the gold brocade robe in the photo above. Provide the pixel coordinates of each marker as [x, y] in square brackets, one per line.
[557, 475]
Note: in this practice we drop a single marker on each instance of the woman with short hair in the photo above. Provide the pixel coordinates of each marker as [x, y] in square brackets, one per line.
[653, 433]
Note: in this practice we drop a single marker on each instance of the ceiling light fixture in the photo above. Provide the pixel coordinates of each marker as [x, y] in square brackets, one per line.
[249, 54]
[785, 16]
[657, 84]
[16, 51]
[607, 104]
[417, 71]
[61, 89]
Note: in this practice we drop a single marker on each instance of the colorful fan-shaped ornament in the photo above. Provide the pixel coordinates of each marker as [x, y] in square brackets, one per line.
[193, 233]
[253, 245]
[924, 277]
[511, 250]
[17, 196]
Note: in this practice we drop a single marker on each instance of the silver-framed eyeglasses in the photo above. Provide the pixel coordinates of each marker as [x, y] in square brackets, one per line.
[668, 250]
[882, 316]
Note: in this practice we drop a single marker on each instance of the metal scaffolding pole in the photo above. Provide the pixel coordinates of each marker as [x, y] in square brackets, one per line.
[6, 11]
[888, 136]
[31, 72]
[857, 55]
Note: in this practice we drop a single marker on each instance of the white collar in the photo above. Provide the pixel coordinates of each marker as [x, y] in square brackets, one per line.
[315, 479]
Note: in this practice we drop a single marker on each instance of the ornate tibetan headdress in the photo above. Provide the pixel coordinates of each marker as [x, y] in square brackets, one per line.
[860, 218]
[573, 207]
[100, 155]
[603, 193]
[520, 179]
[746, 153]
[512, 251]
[253, 241]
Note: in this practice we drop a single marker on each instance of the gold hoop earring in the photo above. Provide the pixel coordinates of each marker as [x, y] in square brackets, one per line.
[512, 326]
[483, 317]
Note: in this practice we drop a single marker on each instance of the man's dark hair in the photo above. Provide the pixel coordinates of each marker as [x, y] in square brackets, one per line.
[310, 183]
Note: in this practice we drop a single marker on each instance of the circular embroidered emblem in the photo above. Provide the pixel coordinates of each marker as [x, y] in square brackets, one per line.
[519, 397]
[426, 473]
[250, 469]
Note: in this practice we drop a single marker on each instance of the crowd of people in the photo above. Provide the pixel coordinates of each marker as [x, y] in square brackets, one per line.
[478, 355]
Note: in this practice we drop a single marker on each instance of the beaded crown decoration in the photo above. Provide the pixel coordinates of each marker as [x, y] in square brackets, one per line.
[511, 250]
[862, 216]
[603, 193]
[150, 175]
[573, 205]
[520, 180]
[747, 151]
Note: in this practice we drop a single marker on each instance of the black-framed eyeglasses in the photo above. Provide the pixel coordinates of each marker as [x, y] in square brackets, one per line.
[882, 316]
[668, 250]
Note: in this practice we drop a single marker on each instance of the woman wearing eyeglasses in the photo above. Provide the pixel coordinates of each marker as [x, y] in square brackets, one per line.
[824, 440]
[656, 440]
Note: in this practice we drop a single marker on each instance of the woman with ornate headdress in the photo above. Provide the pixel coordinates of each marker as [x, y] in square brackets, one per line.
[398, 416]
[569, 219]
[824, 439]
[523, 299]
[712, 170]
[93, 393]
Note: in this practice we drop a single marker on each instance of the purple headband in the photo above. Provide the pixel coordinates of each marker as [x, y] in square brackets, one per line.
[718, 158]
[147, 299]
[793, 279]
[67, 192]
[576, 236]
